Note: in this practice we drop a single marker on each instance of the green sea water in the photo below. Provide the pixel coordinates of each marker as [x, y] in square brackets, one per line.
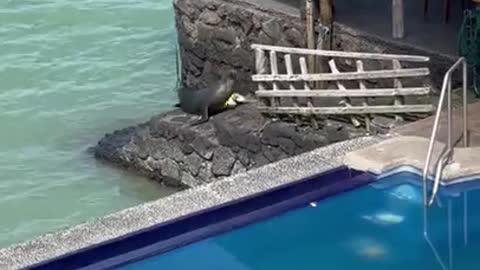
[71, 71]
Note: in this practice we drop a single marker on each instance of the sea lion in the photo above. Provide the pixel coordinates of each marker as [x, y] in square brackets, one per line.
[212, 99]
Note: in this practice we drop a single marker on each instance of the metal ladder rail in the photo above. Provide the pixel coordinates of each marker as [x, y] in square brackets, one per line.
[442, 161]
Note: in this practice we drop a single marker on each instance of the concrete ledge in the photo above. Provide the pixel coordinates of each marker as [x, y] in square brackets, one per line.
[179, 204]
[411, 151]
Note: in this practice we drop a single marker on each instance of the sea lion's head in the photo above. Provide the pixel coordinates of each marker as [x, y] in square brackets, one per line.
[228, 79]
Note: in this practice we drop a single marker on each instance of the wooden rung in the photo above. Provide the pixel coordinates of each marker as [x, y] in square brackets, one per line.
[303, 70]
[274, 71]
[260, 65]
[335, 70]
[397, 84]
[346, 100]
[387, 92]
[343, 54]
[345, 76]
[361, 69]
[274, 67]
[289, 68]
[363, 87]
[348, 110]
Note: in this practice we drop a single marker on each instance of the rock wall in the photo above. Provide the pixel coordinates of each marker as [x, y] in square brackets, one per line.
[171, 151]
[217, 34]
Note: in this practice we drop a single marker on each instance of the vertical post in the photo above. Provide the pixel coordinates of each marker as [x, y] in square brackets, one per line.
[465, 219]
[398, 20]
[449, 114]
[310, 33]
[450, 238]
[324, 41]
[465, 105]
[326, 20]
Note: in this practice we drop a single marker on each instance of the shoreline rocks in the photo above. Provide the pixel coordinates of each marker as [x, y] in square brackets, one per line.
[169, 150]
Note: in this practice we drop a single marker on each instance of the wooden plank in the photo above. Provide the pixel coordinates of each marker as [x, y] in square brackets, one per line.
[324, 41]
[399, 100]
[342, 54]
[260, 65]
[353, 93]
[345, 76]
[326, 12]
[348, 110]
[346, 100]
[274, 67]
[289, 69]
[363, 87]
[274, 71]
[310, 34]
[361, 69]
[303, 70]
[335, 70]
[398, 19]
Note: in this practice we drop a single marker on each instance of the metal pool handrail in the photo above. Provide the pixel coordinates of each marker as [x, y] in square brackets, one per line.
[442, 161]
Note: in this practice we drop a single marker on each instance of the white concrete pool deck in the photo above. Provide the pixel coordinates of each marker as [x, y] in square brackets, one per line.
[411, 151]
[179, 204]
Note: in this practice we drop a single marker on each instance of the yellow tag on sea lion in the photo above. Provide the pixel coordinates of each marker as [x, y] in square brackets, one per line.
[230, 103]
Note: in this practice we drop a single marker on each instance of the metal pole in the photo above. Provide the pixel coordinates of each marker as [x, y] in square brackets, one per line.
[465, 219]
[449, 114]
[465, 108]
[450, 248]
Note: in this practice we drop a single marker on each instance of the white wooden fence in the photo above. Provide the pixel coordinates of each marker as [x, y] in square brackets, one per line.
[274, 87]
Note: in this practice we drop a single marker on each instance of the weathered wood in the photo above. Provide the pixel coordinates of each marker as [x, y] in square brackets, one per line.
[398, 19]
[310, 34]
[399, 100]
[348, 110]
[274, 67]
[303, 70]
[342, 54]
[324, 41]
[289, 69]
[260, 65]
[353, 93]
[335, 70]
[346, 76]
[345, 101]
[326, 12]
[363, 87]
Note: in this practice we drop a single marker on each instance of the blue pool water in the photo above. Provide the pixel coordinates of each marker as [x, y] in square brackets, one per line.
[373, 227]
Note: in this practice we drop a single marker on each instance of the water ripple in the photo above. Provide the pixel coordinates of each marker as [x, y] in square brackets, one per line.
[71, 71]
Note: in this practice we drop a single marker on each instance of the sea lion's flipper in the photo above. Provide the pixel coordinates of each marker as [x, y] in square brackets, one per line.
[203, 119]
[199, 121]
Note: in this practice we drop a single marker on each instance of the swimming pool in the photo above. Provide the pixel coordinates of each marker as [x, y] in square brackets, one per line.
[367, 224]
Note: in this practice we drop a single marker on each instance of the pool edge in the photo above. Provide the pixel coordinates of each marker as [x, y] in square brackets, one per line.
[180, 204]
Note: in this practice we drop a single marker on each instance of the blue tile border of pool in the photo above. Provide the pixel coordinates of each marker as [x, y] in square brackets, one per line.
[452, 189]
[118, 225]
[208, 222]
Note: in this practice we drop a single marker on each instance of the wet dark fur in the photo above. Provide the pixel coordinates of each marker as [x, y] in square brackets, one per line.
[206, 101]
